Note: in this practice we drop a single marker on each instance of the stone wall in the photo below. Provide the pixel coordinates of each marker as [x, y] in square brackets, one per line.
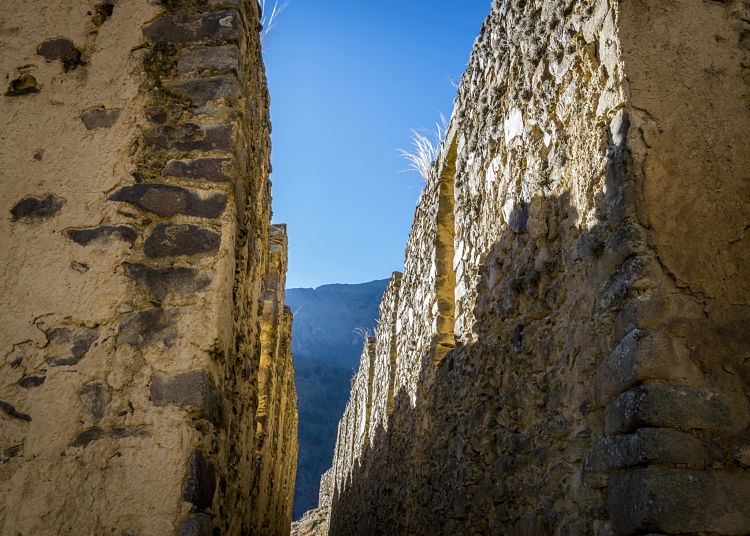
[592, 197]
[136, 207]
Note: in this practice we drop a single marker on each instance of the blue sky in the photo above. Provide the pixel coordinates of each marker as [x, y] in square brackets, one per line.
[349, 79]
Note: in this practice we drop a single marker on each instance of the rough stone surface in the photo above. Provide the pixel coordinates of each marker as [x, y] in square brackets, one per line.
[211, 60]
[173, 239]
[210, 169]
[190, 136]
[102, 234]
[100, 117]
[36, 208]
[162, 282]
[570, 345]
[97, 422]
[166, 200]
[192, 390]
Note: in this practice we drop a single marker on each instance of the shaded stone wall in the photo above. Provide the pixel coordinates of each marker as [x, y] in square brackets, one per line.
[136, 208]
[597, 158]
[276, 416]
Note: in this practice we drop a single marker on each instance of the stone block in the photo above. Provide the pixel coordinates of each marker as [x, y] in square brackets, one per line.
[145, 327]
[172, 239]
[640, 356]
[200, 484]
[681, 408]
[191, 137]
[216, 26]
[102, 234]
[161, 282]
[55, 49]
[200, 91]
[647, 445]
[90, 435]
[192, 390]
[213, 60]
[36, 208]
[95, 397]
[10, 410]
[100, 117]
[29, 382]
[167, 200]
[635, 273]
[676, 501]
[67, 346]
[209, 169]
[196, 525]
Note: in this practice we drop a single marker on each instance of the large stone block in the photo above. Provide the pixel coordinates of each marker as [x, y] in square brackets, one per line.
[200, 91]
[647, 445]
[162, 282]
[192, 390]
[682, 408]
[191, 137]
[167, 200]
[216, 26]
[644, 355]
[676, 501]
[200, 484]
[209, 169]
[213, 60]
[172, 239]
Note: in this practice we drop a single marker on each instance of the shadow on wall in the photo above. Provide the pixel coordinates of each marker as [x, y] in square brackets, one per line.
[523, 433]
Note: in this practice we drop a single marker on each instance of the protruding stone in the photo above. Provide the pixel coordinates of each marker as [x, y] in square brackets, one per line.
[640, 356]
[102, 234]
[95, 397]
[200, 91]
[100, 117]
[57, 49]
[191, 137]
[156, 114]
[11, 411]
[25, 84]
[172, 239]
[635, 273]
[166, 200]
[193, 389]
[647, 445]
[145, 327]
[209, 169]
[211, 60]
[681, 408]
[29, 382]
[94, 434]
[196, 525]
[676, 501]
[200, 485]
[162, 282]
[36, 208]
[216, 26]
[67, 346]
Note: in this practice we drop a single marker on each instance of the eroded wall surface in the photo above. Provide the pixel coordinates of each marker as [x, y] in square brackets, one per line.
[591, 197]
[135, 224]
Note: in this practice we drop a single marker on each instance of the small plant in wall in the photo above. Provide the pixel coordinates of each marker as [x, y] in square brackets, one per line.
[426, 147]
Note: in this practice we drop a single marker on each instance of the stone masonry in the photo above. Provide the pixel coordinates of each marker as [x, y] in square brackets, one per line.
[147, 385]
[566, 351]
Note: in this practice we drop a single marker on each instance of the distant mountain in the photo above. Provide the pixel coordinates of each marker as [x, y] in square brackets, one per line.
[326, 353]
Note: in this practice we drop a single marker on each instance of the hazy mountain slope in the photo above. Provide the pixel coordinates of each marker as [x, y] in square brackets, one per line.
[326, 353]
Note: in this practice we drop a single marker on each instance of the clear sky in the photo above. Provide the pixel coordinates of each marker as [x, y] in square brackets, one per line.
[349, 79]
